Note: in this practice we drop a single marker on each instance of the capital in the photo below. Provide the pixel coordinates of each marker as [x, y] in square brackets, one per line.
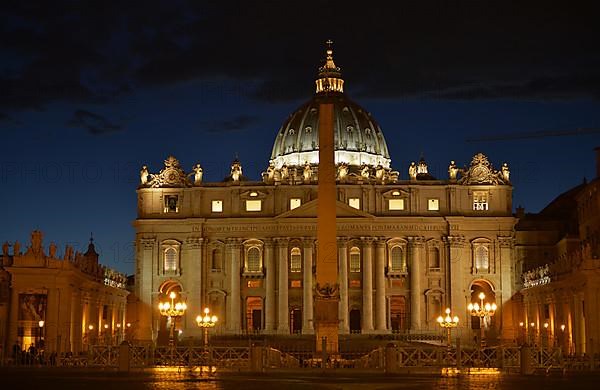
[416, 241]
[455, 241]
[147, 243]
[506, 241]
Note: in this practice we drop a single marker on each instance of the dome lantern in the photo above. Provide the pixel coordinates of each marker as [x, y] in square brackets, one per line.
[330, 77]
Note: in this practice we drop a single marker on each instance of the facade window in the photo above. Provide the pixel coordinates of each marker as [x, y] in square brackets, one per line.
[217, 206]
[354, 259]
[295, 283]
[482, 258]
[296, 260]
[480, 201]
[170, 260]
[433, 255]
[295, 203]
[216, 261]
[433, 204]
[355, 283]
[253, 260]
[171, 204]
[395, 204]
[354, 202]
[397, 260]
[254, 205]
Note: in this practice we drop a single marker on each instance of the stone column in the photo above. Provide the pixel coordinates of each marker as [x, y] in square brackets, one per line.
[270, 277]
[283, 310]
[415, 250]
[192, 274]
[458, 264]
[505, 309]
[13, 320]
[343, 281]
[380, 314]
[233, 314]
[307, 269]
[146, 263]
[367, 285]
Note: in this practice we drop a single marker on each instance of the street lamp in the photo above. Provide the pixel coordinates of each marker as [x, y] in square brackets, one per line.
[41, 331]
[482, 311]
[205, 323]
[172, 310]
[448, 323]
[522, 333]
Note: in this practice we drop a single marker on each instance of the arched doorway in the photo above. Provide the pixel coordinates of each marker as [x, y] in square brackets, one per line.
[355, 321]
[296, 320]
[254, 310]
[398, 313]
[164, 328]
[483, 328]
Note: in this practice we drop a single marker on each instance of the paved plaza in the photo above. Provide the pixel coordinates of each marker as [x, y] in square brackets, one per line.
[172, 378]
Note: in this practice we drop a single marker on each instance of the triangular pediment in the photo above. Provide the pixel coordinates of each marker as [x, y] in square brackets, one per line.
[309, 210]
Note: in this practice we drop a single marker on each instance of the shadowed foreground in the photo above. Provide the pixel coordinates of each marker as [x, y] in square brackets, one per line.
[171, 378]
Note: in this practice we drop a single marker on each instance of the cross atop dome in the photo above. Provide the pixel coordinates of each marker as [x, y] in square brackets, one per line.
[329, 78]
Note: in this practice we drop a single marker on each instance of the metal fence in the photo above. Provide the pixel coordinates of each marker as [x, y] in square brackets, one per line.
[392, 357]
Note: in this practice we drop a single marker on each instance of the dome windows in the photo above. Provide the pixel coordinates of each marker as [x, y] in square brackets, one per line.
[308, 129]
[291, 132]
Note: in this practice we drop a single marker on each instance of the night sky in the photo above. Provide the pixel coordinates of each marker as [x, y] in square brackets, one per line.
[92, 90]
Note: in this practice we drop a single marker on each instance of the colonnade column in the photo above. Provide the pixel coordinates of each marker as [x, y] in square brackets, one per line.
[457, 264]
[307, 283]
[380, 314]
[233, 314]
[270, 287]
[343, 281]
[192, 273]
[367, 285]
[282, 263]
[145, 261]
[416, 292]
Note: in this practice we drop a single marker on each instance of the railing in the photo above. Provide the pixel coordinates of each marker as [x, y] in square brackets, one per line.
[389, 357]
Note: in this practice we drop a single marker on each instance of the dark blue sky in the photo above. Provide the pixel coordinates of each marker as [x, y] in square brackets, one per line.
[90, 91]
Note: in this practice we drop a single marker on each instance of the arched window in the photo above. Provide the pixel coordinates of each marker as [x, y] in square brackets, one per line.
[354, 259]
[434, 259]
[396, 256]
[254, 264]
[216, 261]
[295, 260]
[482, 258]
[170, 260]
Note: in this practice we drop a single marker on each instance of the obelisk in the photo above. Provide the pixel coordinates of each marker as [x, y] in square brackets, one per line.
[326, 295]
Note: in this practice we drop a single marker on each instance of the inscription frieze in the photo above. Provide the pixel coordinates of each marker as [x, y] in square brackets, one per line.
[352, 227]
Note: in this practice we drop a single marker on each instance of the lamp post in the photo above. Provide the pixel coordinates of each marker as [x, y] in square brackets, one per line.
[105, 335]
[532, 333]
[88, 335]
[482, 310]
[546, 336]
[40, 333]
[522, 333]
[448, 323]
[205, 323]
[172, 310]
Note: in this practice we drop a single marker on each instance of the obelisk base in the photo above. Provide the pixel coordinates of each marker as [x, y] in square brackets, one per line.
[326, 324]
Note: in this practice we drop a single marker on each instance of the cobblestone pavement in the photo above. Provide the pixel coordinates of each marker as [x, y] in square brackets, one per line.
[172, 378]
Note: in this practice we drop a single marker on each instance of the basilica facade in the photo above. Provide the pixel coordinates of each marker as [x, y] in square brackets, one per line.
[409, 245]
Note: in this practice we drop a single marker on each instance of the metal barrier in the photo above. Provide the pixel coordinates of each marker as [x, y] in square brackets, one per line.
[389, 358]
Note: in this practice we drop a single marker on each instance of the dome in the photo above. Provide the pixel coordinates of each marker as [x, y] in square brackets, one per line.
[358, 140]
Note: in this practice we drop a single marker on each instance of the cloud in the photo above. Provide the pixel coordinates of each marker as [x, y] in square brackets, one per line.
[448, 50]
[238, 123]
[95, 124]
